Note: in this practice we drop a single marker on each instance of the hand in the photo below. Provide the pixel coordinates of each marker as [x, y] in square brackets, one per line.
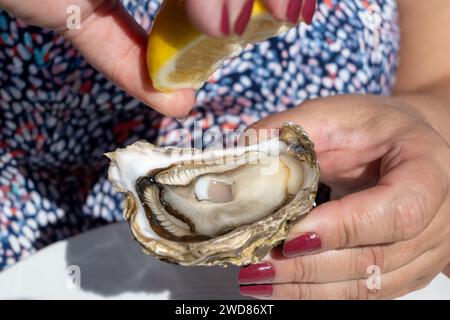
[115, 44]
[222, 17]
[390, 172]
[111, 40]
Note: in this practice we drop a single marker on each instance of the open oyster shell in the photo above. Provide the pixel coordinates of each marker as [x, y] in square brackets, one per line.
[216, 207]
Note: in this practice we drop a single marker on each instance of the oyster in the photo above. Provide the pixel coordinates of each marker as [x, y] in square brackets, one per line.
[216, 207]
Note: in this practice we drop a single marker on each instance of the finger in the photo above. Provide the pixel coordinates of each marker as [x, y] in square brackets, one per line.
[114, 43]
[220, 17]
[209, 17]
[279, 9]
[308, 10]
[292, 10]
[379, 286]
[332, 265]
[401, 206]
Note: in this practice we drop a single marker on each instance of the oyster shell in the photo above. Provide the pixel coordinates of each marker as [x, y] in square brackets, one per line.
[216, 207]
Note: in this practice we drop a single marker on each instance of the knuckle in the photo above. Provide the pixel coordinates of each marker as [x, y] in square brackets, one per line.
[370, 256]
[374, 294]
[117, 68]
[409, 216]
[300, 292]
[357, 290]
[277, 292]
[348, 232]
[300, 273]
[352, 291]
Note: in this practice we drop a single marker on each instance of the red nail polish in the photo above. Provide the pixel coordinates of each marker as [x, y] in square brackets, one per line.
[244, 18]
[304, 243]
[256, 273]
[308, 10]
[257, 290]
[293, 10]
[225, 22]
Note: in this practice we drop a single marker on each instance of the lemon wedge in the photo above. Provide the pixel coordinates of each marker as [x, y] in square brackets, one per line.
[180, 57]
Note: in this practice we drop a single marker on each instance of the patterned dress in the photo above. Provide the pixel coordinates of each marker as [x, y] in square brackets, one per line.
[58, 115]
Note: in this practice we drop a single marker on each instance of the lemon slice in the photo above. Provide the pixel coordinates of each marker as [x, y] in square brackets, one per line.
[179, 57]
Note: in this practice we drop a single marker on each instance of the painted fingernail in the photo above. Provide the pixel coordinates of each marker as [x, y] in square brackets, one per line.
[293, 10]
[308, 10]
[225, 22]
[244, 18]
[256, 273]
[257, 290]
[304, 243]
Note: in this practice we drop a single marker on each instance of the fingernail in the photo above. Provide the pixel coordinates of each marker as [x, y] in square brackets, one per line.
[293, 10]
[244, 18]
[225, 22]
[257, 290]
[304, 243]
[308, 10]
[256, 273]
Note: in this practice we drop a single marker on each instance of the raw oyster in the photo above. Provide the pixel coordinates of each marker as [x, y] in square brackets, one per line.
[219, 206]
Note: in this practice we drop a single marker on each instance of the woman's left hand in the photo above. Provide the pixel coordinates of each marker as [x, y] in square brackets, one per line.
[388, 231]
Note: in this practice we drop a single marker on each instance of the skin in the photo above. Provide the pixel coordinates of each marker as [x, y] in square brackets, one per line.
[115, 44]
[206, 15]
[387, 161]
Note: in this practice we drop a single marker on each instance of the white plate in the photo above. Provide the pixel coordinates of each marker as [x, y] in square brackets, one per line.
[112, 266]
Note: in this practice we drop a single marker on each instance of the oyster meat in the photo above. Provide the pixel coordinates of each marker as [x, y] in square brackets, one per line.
[219, 206]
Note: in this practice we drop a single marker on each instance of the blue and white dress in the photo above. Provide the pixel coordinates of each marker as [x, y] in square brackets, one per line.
[58, 115]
